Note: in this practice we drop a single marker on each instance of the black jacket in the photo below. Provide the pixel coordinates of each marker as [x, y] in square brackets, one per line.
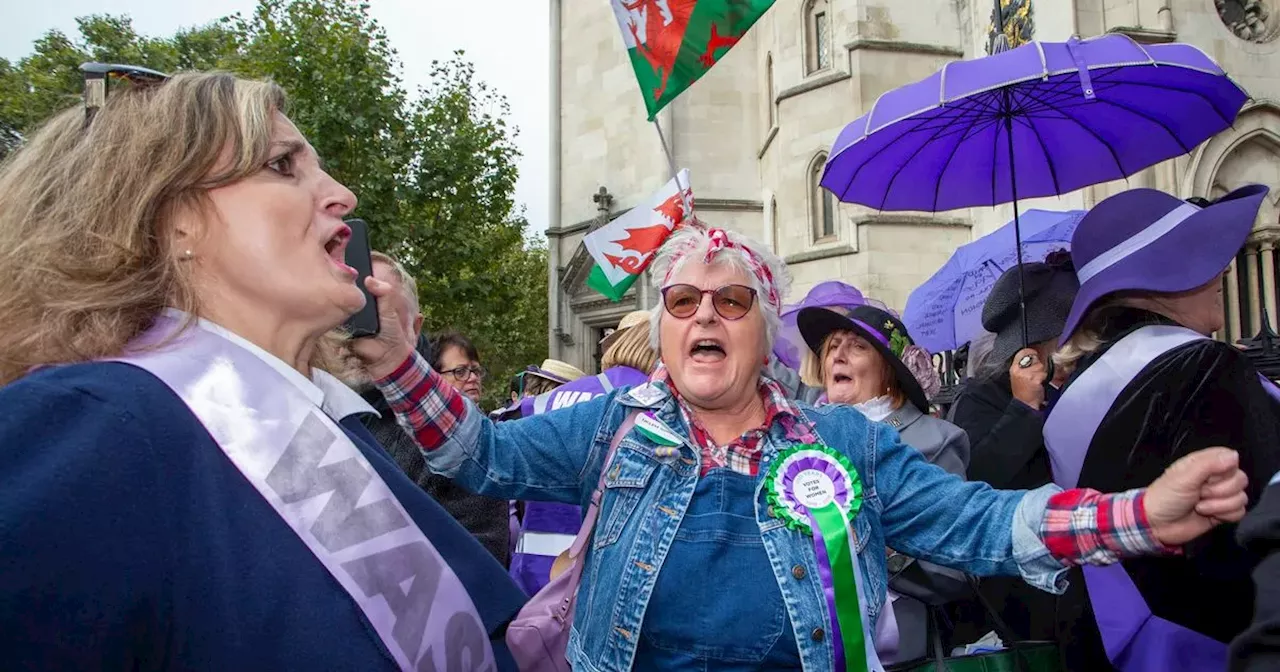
[484, 517]
[1006, 442]
[1258, 649]
[1007, 451]
[1199, 395]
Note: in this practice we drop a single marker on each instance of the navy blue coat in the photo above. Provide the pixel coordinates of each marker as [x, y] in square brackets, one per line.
[130, 541]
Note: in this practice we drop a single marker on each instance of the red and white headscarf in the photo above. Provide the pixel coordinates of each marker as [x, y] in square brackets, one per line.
[719, 241]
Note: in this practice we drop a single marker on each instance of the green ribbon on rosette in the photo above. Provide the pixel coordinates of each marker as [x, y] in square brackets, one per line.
[816, 491]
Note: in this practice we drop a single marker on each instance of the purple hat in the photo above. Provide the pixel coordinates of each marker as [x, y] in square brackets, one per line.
[1147, 240]
[831, 294]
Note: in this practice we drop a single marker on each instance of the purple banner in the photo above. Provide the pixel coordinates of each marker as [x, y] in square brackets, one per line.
[582, 389]
[1270, 387]
[549, 527]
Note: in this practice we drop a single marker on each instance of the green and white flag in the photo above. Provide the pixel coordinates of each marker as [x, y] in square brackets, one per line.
[674, 42]
[623, 248]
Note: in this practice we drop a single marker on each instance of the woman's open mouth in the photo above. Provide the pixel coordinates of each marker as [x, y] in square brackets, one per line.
[707, 350]
[336, 249]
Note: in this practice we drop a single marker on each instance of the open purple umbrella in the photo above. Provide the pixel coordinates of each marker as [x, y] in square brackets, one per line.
[789, 346]
[1039, 120]
[946, 311]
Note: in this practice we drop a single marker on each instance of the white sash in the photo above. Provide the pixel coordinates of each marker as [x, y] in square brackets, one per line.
[324, 489]
[1079, 411]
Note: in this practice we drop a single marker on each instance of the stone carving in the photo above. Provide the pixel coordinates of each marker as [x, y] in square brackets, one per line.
[1252, 20]
[604, 206]
[1019, 25]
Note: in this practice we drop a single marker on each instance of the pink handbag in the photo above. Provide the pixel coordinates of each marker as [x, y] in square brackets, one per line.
[539, 634]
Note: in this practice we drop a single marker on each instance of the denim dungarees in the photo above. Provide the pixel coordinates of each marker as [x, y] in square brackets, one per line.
[718, 578]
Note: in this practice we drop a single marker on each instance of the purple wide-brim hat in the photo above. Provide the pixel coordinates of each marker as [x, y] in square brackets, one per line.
[1147, 240]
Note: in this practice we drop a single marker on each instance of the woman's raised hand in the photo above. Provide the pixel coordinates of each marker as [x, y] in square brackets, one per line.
[1195, 494]
[383, 353]
[1026, 378]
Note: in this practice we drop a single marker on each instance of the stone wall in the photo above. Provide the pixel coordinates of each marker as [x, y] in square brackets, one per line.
[755, 176]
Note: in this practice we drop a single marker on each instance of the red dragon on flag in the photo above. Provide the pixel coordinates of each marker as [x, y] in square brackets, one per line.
[624, 247]
[646, 240]
[672, 43]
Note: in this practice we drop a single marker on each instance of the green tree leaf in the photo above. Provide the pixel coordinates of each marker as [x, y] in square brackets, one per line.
[435, 170]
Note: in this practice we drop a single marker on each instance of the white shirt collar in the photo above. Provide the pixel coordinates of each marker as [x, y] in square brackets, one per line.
[876, 409]
[323, 389]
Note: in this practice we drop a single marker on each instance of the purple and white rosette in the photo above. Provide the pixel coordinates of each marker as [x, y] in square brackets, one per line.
[816, 491]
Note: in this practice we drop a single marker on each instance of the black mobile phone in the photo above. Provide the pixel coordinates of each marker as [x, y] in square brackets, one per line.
[364, 323]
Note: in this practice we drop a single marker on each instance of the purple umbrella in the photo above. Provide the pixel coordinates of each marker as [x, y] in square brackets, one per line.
[789, 347]
[1072, 114]
[946, 311]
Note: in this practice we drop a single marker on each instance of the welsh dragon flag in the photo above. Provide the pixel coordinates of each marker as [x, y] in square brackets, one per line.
[623, 248]
[673, 42]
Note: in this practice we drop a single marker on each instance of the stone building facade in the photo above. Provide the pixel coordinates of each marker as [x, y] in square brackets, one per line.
[754, 131]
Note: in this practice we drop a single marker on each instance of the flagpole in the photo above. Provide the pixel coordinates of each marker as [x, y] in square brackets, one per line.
[671, 165]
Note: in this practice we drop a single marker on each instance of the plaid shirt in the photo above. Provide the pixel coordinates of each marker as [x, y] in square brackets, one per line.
[742, 454]
[1079, 527]
[1087, 527]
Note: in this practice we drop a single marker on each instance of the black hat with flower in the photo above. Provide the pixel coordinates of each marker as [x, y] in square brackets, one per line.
[912, 366]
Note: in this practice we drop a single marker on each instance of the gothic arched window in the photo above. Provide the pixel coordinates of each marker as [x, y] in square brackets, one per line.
[823, 202]
[817, 35]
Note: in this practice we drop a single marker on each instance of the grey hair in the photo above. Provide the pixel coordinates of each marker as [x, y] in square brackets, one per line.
[410, 285]
[692, 242]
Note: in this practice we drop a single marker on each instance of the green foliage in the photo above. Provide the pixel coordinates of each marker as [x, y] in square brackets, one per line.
[339, 70]
[49, 79]
[435, 171]
[455, 191]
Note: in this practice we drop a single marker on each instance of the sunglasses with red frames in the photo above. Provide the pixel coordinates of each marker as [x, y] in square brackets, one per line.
[731, 302]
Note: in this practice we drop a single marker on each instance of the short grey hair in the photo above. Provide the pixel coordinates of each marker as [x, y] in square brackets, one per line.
[691, 242]
[410, 285]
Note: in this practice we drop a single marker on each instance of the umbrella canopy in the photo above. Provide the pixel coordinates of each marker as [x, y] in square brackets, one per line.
[946, 311]
[789, 347]
[1069, 114]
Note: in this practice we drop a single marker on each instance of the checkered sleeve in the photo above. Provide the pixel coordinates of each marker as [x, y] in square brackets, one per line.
[1086, 527]
[425, 405]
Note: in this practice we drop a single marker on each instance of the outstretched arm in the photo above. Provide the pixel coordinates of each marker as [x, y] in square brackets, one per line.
[1038, 534]
[545, 457]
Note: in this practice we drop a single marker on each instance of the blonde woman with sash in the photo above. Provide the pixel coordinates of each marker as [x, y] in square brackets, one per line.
[179, 488]
[1150, 385]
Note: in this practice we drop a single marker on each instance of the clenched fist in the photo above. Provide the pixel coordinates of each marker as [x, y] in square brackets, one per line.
[1195, 494]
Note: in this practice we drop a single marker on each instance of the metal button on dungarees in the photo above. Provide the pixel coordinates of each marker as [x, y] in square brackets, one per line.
[818, 635]
[798, 572]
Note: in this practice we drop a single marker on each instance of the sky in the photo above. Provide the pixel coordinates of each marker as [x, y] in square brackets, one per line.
[507, 40]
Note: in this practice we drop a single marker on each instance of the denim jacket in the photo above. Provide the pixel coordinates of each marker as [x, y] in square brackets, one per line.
[909, 504]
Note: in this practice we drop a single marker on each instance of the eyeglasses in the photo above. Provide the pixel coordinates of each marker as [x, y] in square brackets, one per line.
[731, 302]
[463, 372]
[96, 76]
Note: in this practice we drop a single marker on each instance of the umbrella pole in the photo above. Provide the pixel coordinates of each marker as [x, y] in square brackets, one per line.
[1017, 225]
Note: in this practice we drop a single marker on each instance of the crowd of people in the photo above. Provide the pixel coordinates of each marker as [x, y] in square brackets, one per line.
[201, 471]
